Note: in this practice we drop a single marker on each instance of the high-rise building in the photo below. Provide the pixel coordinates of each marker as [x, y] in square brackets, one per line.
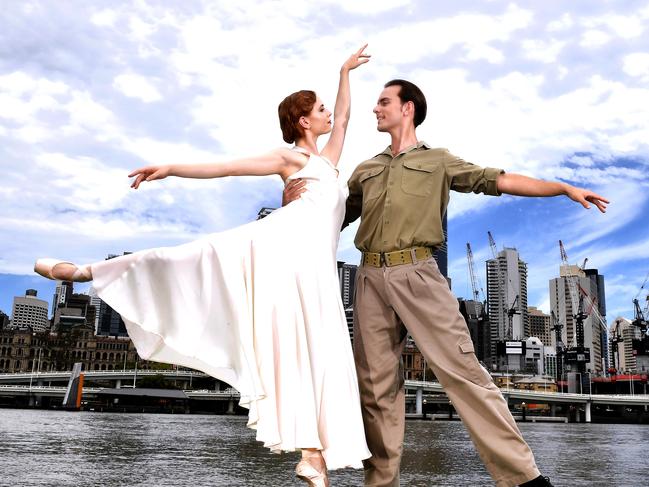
[550, 361]
[264, 212]
[441, 253]
[599, 298]
[64, 289]
[95, 301]
[507, 298]
[347, 279]
[109, 322]
[77, 311]
[565, 307]
[4, 320]
[540, 325]
[30, 312]
[622, 358]
[474, 314]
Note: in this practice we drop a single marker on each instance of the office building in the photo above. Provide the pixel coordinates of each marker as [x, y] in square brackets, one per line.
[477, 321]
[4, 321]
[77, 310]
[441, 253]
[507, 304]
[347, 279]
[264, 212]
[540, 325]
[564, 302]
[64, 289]
[30, 312]
[534, 355]
[622, 334]
[550, 361]
[109, 322]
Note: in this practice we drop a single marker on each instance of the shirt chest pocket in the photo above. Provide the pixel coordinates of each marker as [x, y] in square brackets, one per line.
[372, 183]
[418, 179]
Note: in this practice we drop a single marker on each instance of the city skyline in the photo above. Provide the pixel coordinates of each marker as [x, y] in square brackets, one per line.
[517, 85]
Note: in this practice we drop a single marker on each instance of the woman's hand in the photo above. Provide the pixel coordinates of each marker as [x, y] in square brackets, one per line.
[149, 173]
[356, 59]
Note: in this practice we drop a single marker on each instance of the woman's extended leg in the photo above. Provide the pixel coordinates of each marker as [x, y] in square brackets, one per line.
[63, 271]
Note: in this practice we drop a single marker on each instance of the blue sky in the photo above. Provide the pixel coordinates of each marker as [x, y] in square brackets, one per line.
[556, 90]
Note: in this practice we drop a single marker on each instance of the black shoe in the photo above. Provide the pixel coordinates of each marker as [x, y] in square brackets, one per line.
[539, 481]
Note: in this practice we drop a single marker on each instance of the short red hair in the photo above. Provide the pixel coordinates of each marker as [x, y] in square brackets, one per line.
[293, 107]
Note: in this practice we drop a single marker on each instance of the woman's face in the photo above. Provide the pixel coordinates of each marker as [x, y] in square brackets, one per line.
[319, 119]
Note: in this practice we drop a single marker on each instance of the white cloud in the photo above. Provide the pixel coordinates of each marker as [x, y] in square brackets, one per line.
[370, 7]
[595, 38]
[637, 64]
[541, 50]
[563, 23]
[137, 86]
[86, 183]
[104, 18]
[623, 26]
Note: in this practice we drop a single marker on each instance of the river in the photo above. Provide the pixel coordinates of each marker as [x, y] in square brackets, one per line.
[58, 448]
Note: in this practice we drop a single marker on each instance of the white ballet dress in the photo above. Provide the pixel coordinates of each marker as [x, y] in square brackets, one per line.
[259, 307]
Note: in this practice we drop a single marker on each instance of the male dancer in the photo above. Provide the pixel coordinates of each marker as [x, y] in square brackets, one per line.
[401, 196]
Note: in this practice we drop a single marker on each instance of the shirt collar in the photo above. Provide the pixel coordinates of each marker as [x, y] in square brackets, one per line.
[418, 145]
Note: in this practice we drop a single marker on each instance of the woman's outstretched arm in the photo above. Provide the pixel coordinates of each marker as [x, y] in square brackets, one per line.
[279, 161]
[334, 146]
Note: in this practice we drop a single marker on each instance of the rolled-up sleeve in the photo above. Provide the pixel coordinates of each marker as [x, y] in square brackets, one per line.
[466, 177]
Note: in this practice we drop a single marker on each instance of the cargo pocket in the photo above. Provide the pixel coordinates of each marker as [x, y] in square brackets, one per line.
[372, 183]
[473, 371]
[418, 178]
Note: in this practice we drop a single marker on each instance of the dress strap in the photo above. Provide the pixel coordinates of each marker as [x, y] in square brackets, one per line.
[302, 150]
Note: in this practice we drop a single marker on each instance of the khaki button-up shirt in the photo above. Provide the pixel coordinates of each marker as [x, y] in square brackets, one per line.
[402, 200]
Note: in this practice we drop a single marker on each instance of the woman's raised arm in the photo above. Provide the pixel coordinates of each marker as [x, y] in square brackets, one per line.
[334, 146]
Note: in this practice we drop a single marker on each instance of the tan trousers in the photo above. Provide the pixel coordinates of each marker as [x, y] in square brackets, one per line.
[415, 298]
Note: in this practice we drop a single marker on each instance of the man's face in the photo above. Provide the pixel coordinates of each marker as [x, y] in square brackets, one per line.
[388, 109]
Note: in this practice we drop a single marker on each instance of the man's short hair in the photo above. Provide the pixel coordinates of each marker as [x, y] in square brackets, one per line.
[410, 92]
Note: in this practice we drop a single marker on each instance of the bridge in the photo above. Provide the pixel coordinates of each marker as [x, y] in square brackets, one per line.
[64, 376]
[15, 384]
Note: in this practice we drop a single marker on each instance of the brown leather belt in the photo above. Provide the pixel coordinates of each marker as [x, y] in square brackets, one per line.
[398, 257]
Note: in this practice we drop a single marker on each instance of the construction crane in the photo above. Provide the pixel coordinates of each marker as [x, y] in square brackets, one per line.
[641, 345]
[511, 311]
[639, 320]
[556, 328]
[476, 286]
[617, 338]
[577, 354]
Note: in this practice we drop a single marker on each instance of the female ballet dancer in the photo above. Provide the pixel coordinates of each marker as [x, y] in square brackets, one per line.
[258, 306]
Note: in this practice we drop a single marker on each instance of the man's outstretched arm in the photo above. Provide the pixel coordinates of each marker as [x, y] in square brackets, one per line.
[519, 185]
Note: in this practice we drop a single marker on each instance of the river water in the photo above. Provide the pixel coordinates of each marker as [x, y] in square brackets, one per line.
[57, 448]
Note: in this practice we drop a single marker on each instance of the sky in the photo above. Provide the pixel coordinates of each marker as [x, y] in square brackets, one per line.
[91, 90]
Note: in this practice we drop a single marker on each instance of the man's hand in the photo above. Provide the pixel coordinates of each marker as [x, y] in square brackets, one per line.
[520, 185]
[585, 196]
[292, 191]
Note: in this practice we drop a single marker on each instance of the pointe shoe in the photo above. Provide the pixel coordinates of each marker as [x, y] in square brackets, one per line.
[313, 477]
[45, 267]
